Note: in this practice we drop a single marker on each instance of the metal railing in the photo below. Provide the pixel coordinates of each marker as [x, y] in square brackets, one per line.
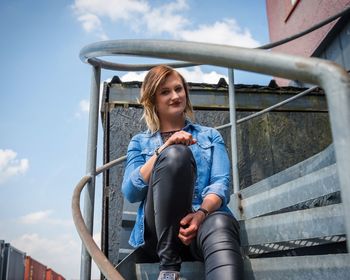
[332, 78]
[94, 251]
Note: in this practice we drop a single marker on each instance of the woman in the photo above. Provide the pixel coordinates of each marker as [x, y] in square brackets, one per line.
[180, 172]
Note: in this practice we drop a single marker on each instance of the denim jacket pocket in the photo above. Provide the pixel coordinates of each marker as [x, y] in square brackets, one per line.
[205, 152]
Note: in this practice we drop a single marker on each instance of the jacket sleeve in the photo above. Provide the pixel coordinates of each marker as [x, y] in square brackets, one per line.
[219, 181]
[134, 187]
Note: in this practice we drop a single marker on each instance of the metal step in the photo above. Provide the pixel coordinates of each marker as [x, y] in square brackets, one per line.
[336, 266]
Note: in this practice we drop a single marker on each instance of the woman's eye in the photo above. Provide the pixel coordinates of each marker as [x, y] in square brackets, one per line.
[164, 92]
[178, 89]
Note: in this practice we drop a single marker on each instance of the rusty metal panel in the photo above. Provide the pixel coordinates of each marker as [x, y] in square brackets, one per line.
[34, 269]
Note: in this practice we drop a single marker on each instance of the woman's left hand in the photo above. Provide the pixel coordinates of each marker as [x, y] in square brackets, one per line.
[189, 226]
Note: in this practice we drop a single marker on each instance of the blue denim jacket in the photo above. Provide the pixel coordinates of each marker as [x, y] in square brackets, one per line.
[213, 171]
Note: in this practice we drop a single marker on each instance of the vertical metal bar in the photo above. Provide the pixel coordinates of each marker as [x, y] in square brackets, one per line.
[89, 198]
[231, 94]
[338, 99]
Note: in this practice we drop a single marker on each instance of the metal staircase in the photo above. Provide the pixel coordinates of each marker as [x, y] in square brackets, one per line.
[293, 219]
[293, 225]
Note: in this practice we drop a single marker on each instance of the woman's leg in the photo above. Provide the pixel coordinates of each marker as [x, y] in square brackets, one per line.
[169, 199]
[218, 241]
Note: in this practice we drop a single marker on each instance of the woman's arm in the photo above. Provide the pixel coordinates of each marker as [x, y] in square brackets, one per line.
[138, 170]
[190, 224]
[180, 137]
[214, 195]
[134, 187]
[219, 181]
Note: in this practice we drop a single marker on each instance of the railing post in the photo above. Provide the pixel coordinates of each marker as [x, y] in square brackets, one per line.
[231, 94]
[89, 198]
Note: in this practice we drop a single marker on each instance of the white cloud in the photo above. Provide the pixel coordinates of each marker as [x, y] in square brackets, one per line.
[91, 23]
[194, 75]
[133, 76]
[166, 18]
[90, 13]
[43, 217]
[83, 108]
[114, 10]
[36, 217]
[226, 32]
[10, 166]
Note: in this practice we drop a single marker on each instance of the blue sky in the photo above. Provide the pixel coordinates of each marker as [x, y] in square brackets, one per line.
[44, 100]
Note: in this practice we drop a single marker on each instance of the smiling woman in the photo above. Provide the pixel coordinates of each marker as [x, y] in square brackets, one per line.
[180, 171]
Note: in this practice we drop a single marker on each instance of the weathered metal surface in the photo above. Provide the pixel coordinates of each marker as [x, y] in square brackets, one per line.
[255, 161]
[339, 49]
[335, 244]
[332, 78]
[233, 131]
[278, 140]
[311, 164]
[296, 225]
[13, 263]
[2, 248]
[311, 186]
[299, 268]
[106, 268]
[246, 97]
[89, 198]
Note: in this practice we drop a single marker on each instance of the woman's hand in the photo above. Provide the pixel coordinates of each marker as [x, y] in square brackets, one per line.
[189, 226]
[181, 137]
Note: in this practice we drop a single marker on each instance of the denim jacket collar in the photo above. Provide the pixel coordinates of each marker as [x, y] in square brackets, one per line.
[188, 125]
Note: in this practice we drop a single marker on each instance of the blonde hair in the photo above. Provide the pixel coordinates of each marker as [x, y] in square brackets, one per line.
[153, 80]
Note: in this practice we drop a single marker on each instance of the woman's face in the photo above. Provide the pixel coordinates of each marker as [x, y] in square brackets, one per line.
[170, 98]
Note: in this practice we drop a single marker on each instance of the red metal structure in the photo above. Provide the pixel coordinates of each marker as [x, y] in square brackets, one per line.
[288, 17]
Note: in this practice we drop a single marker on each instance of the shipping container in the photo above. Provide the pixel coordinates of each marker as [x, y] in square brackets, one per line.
[34, 270]
[13, 263]
[52, 275]
[2, 252]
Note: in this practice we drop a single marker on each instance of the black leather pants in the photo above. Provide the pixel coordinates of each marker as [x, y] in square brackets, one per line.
[169, 199]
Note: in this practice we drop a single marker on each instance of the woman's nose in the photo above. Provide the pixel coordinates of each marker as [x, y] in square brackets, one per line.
[174, 94]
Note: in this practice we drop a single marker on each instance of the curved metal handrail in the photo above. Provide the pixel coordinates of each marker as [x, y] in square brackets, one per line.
[97, 255]
[328, 75]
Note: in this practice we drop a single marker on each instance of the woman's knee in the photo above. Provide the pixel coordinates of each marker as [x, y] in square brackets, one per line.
[177, 156]
[220, 224]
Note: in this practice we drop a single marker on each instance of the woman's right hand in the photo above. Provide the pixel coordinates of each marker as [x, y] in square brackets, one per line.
[181, 137]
